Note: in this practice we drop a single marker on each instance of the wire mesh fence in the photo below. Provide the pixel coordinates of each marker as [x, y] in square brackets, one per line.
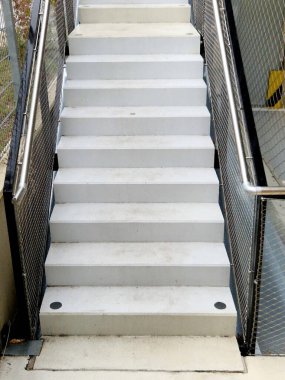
[255, 226]
[261, 34]
[199, 8]
[28, 219]
[270, 322]
[239, 207]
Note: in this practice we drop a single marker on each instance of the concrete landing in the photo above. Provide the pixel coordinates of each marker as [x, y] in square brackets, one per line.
[151, 354]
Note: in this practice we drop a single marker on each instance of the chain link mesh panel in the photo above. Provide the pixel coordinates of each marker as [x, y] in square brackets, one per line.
[70, 9]
[239, 207]
[31, 214]
[198, 7]
[270, 321]
[261, 34]
[256, 227]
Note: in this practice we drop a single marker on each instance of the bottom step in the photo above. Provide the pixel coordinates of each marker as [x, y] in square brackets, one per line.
[205, 311]
[129, 357]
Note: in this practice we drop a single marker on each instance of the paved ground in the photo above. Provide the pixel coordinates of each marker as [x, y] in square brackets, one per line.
[57, 362]
[258, 368]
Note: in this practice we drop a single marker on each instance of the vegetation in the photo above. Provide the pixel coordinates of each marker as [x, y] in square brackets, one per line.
[21, 10]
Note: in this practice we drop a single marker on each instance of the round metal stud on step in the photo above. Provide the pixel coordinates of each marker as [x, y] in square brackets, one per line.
[220, 305]
[55, 305]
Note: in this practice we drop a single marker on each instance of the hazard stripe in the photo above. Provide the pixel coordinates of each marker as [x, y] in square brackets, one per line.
[275, 98]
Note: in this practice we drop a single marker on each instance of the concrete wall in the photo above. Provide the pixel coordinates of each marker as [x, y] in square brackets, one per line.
[7, 287]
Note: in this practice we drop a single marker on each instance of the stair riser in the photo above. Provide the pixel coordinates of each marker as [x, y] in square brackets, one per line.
[135, 126]
[134, 45]
[136, 232]
[126, 158]
[136, 276]
[122, 97]
[135, 193]
[115, 14]
[159, 325]
[134, 70]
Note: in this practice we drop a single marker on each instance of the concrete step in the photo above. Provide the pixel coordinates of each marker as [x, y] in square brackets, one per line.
[137, 264]
[140, 38]
[114, 121]
[134, 13]
[120, 93]
[140, 358]
[151, 66]
[137, 222]
[138, 311]
[135, 151]
[120, 185]
[131, 2]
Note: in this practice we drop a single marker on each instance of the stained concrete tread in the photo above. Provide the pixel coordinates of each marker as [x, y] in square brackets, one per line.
[137, 212]
[139, 185]
[137, 264]
[150, 2]
[139, 66]
[131, 5]
[134, 13]
[86, 176]
[144, 300]
[140, 121]
[134, 84]
[149, 354]
[134, 30]
[134, 112]
[138, 254]
[105, 58]
[136, 142]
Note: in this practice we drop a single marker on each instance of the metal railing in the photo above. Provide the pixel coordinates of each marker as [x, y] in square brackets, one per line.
[253, 211]
[22, 183]
[29, 176]
[248, 186]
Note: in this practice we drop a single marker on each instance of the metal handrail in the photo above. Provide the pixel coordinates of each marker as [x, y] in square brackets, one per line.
[22, 184]
[248, 186]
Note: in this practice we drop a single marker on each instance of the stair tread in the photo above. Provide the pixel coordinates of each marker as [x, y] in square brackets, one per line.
[138, 254]
[148, 2]
[137, 212]
[133, 83]
[136, 176]
[135, 58]
[133, 5]
[134, 112]
[129, 30]
[142, 300]
[136, 142]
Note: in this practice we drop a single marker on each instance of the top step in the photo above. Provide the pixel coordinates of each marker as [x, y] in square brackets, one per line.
[134, 13]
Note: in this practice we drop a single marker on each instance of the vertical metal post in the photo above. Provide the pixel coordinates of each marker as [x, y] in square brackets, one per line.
[12, 44]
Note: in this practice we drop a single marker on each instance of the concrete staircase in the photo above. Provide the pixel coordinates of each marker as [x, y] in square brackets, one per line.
[137, 232]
